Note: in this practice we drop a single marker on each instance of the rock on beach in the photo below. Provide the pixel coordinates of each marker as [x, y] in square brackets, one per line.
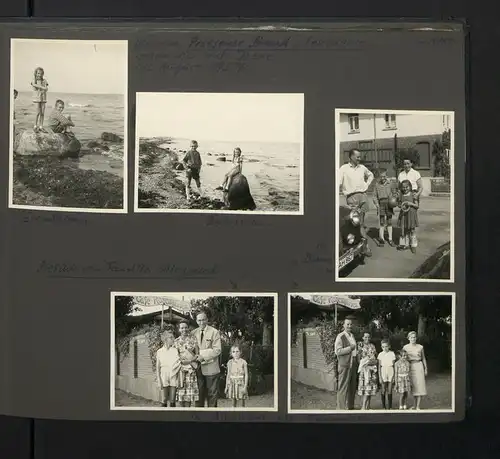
[30, 143]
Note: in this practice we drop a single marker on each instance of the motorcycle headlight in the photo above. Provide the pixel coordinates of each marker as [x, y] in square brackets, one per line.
[351, 238]
[355, 217]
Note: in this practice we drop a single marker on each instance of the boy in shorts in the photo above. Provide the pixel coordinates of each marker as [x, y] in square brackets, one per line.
[383, 192]
[192, 163]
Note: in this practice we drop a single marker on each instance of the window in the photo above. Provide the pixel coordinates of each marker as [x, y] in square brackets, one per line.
[353, 123]
[424, 155]
[390, 121]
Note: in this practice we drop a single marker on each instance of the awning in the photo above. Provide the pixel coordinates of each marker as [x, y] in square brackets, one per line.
[330, 301]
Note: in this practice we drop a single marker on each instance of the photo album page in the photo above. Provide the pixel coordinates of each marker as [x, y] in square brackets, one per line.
[233, 221]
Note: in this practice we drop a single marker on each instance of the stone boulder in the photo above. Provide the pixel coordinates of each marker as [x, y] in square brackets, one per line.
[110, 137]
[30, 143]
[239, 197]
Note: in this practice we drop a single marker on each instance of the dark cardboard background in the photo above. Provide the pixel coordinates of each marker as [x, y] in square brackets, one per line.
[68, 319]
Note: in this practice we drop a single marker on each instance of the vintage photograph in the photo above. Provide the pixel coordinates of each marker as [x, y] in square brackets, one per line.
[395, 204]
[193, 351]
[371, 352]
[219, 152]
[68, 146]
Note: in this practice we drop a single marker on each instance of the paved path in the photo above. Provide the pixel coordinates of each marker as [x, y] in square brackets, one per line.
[256, 401]
[387, 262]
[310, 398]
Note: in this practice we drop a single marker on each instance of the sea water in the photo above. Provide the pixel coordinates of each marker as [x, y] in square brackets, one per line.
[92, 114]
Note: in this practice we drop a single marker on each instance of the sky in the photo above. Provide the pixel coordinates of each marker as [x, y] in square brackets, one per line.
[72, 66]
[221, 116]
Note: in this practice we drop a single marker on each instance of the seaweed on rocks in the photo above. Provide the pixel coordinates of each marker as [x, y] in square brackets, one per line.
[51, 180]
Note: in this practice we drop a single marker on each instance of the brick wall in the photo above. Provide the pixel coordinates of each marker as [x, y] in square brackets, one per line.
[144, 385]
[308, 365]
[403, 143]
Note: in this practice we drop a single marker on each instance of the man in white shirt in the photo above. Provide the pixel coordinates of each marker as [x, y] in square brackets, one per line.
[346, 350]
[354, 180]
[413, 176]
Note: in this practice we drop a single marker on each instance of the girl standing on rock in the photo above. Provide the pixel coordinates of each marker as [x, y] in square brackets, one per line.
[40, 88]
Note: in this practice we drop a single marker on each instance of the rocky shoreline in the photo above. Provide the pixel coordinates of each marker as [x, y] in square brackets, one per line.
[53, 181]
[159, 185]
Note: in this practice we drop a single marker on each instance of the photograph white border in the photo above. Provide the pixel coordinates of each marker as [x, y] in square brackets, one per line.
[124, 209]
[300, 212]
[337, 113]
[160, 409]
[369, 412]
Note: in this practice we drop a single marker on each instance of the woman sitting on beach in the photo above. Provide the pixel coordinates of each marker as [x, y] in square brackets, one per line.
[236, 169]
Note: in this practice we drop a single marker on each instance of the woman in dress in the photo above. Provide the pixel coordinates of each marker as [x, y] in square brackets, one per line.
[368, 379]
[418, 368]
[187, 391]
[365, 346]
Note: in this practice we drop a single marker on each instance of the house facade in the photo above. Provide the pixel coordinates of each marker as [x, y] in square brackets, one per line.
[378, 136]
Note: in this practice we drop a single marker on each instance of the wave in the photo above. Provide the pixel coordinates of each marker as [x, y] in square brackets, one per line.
[80, 105]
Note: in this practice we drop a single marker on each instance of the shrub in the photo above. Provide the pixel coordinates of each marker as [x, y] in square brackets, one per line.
[260, 361]
[440, 156]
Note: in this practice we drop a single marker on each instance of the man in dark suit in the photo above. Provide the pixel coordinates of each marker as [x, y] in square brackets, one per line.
[345, 350]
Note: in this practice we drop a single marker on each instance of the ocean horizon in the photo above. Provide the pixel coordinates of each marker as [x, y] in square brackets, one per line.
[92, 114]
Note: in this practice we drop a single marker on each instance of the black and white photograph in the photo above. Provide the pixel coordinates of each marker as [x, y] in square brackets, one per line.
[219, 152]
[68, 146]
[395, 202]
[194, 351]
[371, 352]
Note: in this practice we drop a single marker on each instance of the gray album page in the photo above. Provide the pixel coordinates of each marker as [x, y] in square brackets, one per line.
[233, 222]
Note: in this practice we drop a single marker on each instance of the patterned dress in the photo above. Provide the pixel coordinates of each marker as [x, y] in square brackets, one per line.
[368, 376]
[187, 390]
[402, 376]
[236, 389]
[408, 220]
[40, 95]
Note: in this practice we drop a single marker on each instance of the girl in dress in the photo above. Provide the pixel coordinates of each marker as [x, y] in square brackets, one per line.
[418, 368]
[368, 377]
[168, 364]
[235, 170]
[386, 360]
[402, 378]
[187, 391]
[408, 218]
[237, 377]
[40, 88]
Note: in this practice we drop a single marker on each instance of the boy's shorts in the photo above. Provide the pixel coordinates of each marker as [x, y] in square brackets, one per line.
[385, 210]
[193, 173]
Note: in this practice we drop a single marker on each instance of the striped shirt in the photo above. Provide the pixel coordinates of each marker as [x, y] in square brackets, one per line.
[57, 119]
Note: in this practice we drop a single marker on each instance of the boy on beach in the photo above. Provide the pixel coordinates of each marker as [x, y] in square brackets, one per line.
[59, 123]
[383, 192]
[192, 163]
